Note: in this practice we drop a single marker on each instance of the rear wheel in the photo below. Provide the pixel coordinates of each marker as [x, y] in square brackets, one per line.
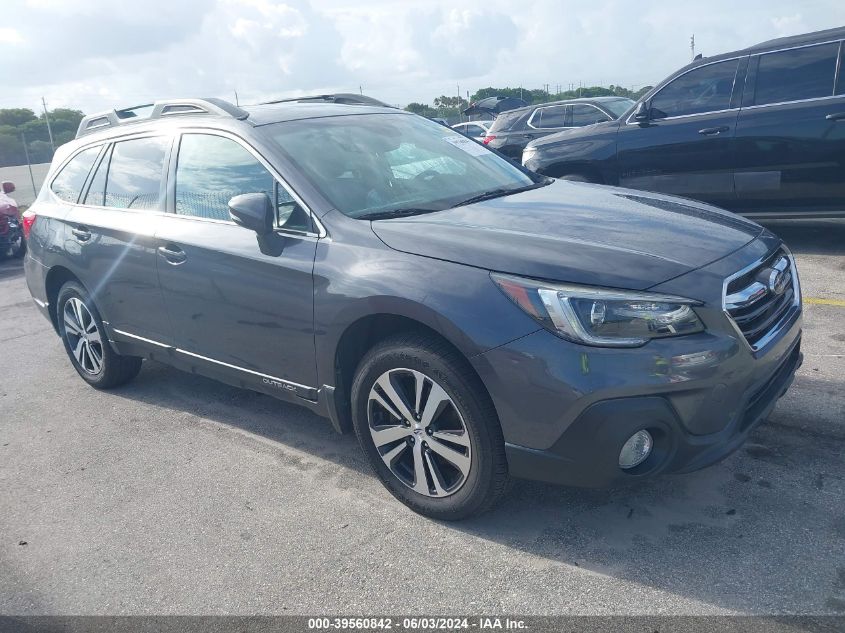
[18, 249]
[84, 338]
[428, 428]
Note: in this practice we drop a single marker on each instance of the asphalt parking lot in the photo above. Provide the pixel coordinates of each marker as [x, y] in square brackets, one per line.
[175, 494]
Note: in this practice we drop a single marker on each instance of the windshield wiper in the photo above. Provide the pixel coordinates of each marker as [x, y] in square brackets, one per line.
[498, 193]
[394, 213]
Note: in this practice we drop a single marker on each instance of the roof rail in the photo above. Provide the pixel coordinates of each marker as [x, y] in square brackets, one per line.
[341, 98]
[159, 109]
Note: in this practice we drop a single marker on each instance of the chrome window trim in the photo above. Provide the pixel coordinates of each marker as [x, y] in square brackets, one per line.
[211, 360]
[777, 327]
[792, 48]
[321, 230]
[533, 114]
[782, 103]
[686, 116]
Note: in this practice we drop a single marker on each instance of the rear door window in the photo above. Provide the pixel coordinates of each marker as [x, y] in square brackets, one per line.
[68, 183]
[583, 114]
[796, 74]
[134, 178]
[704, 89]
[550, 117]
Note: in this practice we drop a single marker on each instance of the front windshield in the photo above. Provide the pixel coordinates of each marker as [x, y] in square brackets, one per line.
[378, 164]
[619, 106]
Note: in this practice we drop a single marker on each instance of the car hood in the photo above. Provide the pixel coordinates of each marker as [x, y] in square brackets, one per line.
[574, 133]
[578, 233]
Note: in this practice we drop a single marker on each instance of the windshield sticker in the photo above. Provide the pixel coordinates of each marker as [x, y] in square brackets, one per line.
[467, 144]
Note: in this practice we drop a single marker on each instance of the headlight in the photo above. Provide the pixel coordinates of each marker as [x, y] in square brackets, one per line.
[601, 316]
[528, 153]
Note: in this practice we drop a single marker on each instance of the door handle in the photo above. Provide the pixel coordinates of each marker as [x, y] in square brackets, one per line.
[838, 116]
[712, 131]
[81, 233]
[173, 255]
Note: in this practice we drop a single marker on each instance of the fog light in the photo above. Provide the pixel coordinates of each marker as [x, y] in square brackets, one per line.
[636, 450]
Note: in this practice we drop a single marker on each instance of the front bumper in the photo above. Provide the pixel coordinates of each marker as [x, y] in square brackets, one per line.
[567, 409]
[587, 453]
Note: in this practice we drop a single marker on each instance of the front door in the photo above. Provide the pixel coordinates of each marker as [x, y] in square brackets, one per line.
[237, 300]
[685, 146]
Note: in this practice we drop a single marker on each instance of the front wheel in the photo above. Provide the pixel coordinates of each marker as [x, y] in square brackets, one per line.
[428, 428]
[85, 341]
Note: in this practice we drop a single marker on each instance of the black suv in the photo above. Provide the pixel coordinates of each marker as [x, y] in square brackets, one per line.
[759, 131]
[514, 129]
[468, 319]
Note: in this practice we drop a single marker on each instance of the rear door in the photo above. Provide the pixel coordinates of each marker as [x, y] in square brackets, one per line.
[237, 301]
[685, 148]
[790, 136]
[111, 236]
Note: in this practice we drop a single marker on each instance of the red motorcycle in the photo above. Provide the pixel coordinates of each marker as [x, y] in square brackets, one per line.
[12, 240]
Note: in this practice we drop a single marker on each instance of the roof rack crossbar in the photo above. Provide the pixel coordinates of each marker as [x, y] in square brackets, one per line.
[342, 98]
[170, 107]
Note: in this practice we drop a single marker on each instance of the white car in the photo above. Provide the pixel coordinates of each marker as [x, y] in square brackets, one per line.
[473, 129]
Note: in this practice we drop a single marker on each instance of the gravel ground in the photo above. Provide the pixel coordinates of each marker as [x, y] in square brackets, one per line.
[176, 494]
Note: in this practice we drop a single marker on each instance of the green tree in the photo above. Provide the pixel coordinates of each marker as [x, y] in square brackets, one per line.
[422, 109]
[63, 124]
[16, 116]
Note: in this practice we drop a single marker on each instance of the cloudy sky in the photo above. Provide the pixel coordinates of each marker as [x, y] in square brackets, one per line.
[96, 54]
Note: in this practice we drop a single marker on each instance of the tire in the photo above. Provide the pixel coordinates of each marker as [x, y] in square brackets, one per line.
[19, 249]
[90, 353]
[575, 178]
[456, 438]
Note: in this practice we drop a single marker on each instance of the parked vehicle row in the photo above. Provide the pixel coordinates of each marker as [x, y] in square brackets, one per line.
[473, 129]
[469, 319]
[512, 130]
[760, 131]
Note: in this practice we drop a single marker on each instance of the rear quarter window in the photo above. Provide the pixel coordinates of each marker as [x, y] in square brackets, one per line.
[68, 183]
[505, 121]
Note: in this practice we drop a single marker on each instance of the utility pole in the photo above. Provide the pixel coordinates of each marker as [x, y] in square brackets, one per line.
[360, 90]
[236, 99]
[49, 129]
[692, 47]
[28, 164]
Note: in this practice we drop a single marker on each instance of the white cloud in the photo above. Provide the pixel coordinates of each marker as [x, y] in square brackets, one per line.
[98, 53]
[10, 36]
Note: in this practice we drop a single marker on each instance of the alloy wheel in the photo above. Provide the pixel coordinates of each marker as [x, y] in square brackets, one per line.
[419, 433]
[83, 336]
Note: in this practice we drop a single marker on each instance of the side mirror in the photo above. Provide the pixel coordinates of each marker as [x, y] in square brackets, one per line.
[253, 211]
[8, 187]
[643, 112]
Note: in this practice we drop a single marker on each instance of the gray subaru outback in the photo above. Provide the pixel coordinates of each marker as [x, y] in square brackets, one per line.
[471, 321]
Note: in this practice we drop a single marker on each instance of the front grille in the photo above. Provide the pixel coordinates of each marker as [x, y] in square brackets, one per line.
[757, 299]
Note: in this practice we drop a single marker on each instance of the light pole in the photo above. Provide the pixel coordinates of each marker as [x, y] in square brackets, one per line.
[49, 129]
